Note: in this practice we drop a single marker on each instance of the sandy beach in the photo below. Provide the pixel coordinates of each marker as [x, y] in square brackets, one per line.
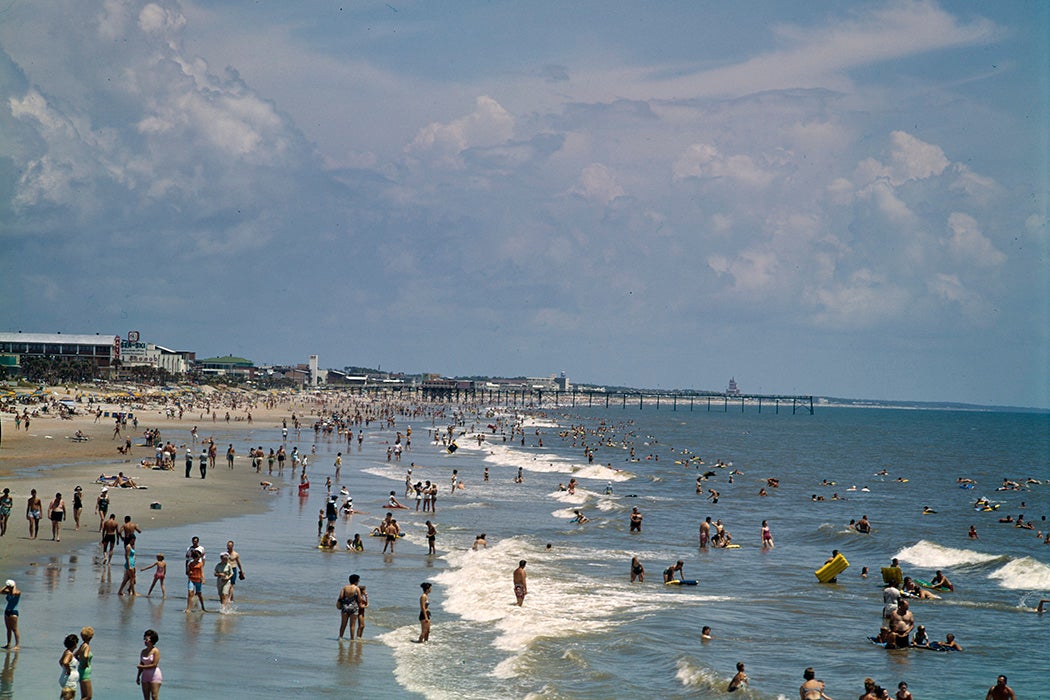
[47, 459]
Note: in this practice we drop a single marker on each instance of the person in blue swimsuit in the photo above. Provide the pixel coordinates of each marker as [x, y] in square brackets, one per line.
[11, 613]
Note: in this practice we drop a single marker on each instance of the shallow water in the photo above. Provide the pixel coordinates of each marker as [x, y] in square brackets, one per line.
[585, 632]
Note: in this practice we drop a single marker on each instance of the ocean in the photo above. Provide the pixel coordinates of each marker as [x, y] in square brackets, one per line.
[585, 631]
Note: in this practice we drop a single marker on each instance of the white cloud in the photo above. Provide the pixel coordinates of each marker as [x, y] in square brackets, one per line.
[912, 159]
[702, 160]
[154, 19]
[949, 288]
[967, 242]
[867, 300]
[597, 183]
[488, 125]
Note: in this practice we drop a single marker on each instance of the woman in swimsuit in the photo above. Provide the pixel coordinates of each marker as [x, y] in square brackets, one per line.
[149, 676]
[70, 676]
[348, 605]
[6, 503]
[424, 613]
[767, 536]
[637, 570]
[10, 590]
[811, 689]
[84, 656]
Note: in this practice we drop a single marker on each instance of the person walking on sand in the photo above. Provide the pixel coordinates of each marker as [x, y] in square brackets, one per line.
[33, 507]
[109, 537]
[56, 513]
[102, 506]
[521, 589]
[349, 606]
[78, 505]
[13, 596]
[6, 504]
[424, 613]
[149, 676]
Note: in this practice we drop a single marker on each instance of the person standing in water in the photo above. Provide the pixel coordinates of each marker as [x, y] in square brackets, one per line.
[84, 656]
[10, 590]
[149, 676]
[424, 613]
[520, 587]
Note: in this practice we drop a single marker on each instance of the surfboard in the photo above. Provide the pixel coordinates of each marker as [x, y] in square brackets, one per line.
[676, 582]
[927, 584]
[832, 569]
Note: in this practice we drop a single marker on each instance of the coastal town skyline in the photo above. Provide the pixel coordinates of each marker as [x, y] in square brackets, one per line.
[837, 199]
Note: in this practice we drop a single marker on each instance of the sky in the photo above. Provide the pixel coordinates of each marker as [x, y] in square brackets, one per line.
[834, 198]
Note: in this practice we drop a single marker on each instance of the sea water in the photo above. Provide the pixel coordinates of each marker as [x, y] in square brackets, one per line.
[585, 631]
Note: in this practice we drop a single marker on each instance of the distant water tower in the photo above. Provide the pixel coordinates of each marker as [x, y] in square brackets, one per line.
[562, 382]
[313, 370]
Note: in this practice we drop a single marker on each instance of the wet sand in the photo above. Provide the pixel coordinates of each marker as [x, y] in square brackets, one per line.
[46, 459]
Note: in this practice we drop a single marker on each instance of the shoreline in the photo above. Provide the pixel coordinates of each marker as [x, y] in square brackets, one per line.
[45, 459]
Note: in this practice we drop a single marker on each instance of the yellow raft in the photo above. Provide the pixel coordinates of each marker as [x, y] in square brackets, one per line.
[832, 569]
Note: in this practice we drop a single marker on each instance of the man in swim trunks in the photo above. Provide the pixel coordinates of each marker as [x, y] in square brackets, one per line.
[109, 537]
[863, 525]
[520, 587]
[740, 679]
[129, 530]
[391, 531]
[901, 623]
[236, 565]
[705, 531]
[33, 509]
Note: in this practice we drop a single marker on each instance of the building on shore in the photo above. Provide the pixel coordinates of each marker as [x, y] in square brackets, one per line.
[103, 352]
[732, 389]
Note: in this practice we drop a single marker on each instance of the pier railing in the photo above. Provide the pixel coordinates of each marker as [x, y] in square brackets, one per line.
[580, 398]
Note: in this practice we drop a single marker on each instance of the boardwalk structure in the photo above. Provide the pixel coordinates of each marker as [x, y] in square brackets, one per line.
[457, 391]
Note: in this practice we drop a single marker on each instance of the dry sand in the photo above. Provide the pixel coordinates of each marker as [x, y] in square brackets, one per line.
[28, 459]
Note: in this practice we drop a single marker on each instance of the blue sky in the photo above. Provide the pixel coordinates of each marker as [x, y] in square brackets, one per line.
[844, 199]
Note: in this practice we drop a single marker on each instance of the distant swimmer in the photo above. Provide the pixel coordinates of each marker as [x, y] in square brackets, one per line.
[767, 536]
[926, 510]
[973, 533]
[580, 518]
[480, 543]
[863, 525]
[636, 520]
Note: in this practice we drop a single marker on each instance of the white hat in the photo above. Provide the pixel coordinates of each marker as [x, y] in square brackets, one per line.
[105, 488]
[9, 583]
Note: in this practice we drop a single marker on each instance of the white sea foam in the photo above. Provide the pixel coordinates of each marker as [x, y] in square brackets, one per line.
[477, 588]
[1023, 574]
[601, 473]
[935, 556]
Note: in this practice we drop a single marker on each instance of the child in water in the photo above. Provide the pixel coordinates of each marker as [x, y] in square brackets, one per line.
[161, 567]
